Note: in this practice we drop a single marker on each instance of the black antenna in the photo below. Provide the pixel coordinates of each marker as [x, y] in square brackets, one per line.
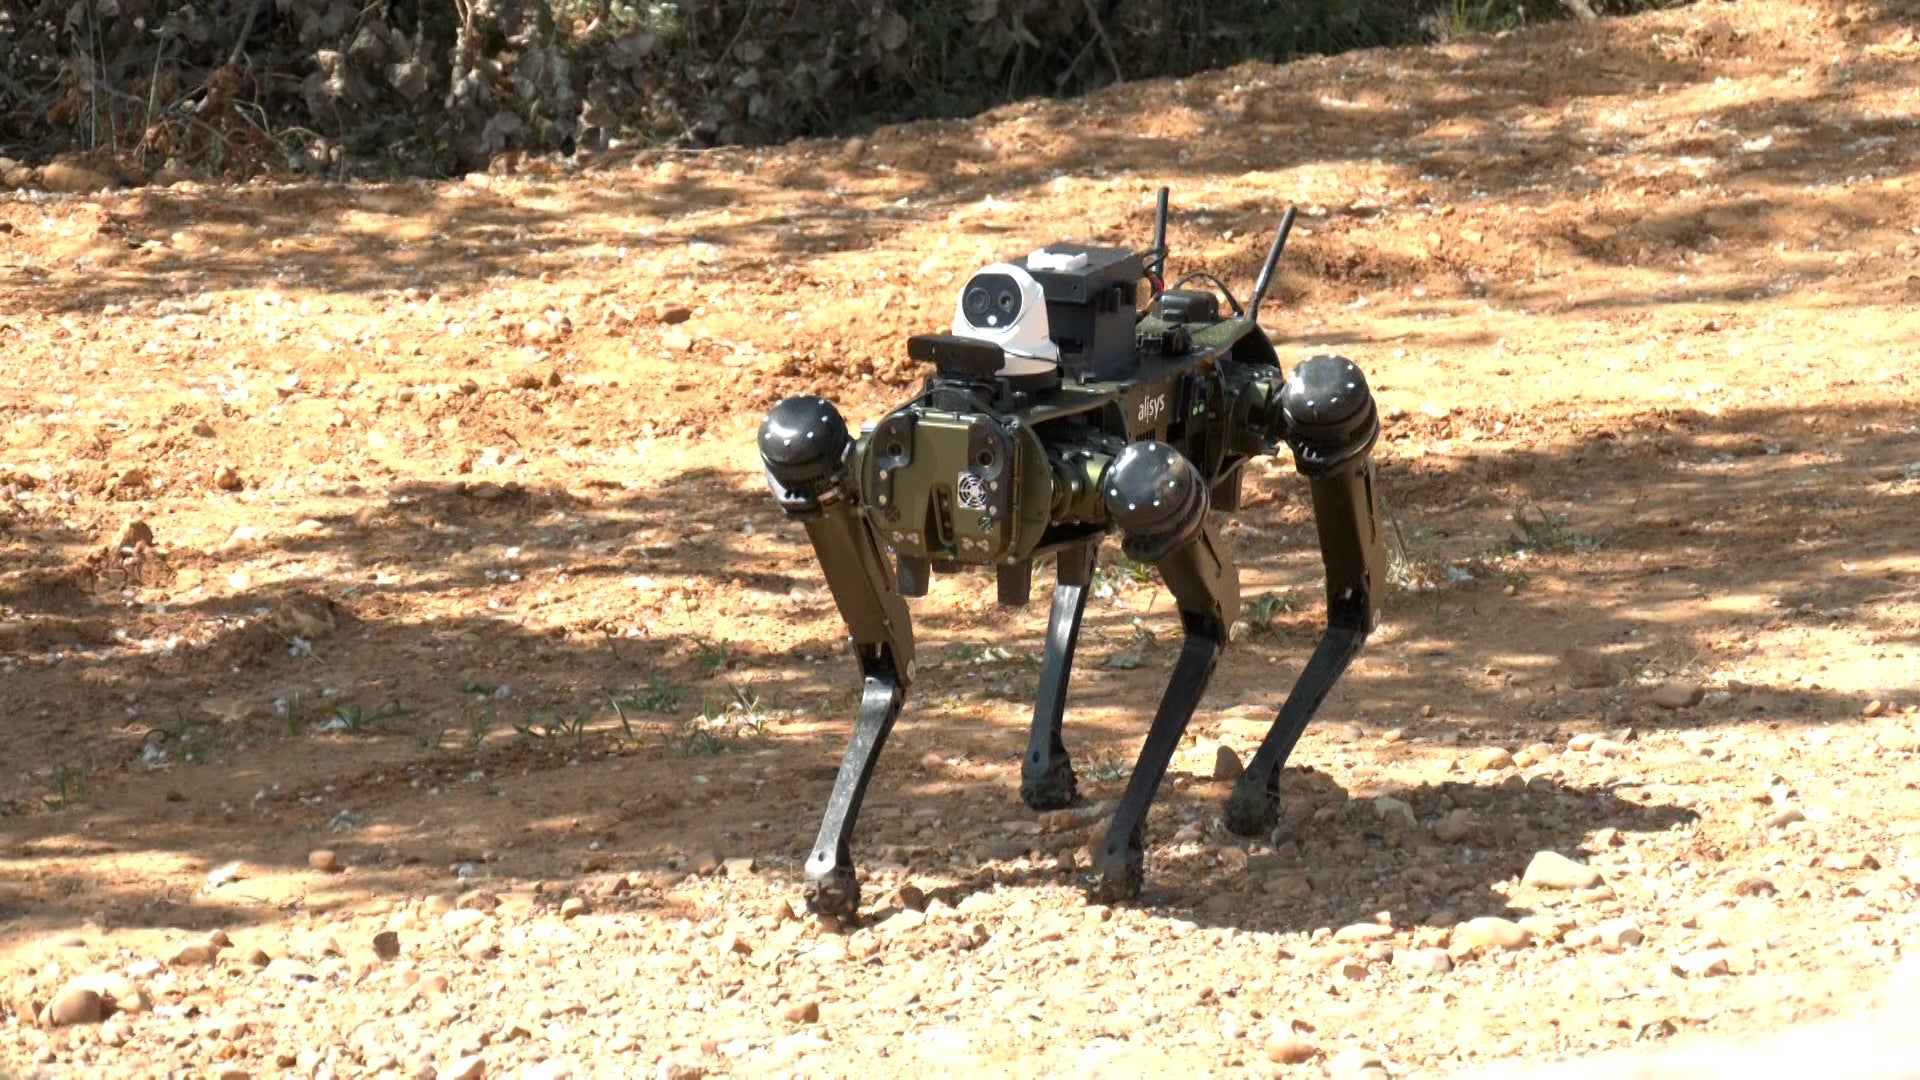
[1159, 248]
[1273, 260]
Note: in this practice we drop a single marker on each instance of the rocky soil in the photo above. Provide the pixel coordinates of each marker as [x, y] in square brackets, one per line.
[403, 670]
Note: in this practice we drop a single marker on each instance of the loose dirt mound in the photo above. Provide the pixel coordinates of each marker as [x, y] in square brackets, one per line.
[420, 526]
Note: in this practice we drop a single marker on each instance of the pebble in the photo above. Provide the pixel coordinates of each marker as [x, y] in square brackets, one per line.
[1355, 1064]
[386, 944]
[194, 954]
[573, 907]
[538, 331]
[739, 867]
[437, 904]
[804, 1012]
[1783, 818]
[118, 993]
[1365, 931]
[1677, 694]
[1423, 961]
[1874, 708]
[471, 1067]
[1606, 748]
[74, 1005]
[1387, 807]
[227, 478]
[232, 1072]
[1488, 759]
[1617, 934]
[1287, 1048]
[1226, 764]
[289, 970]
[1490, 932]
[1702, 965]
[462, 919]
[324, 861]
[1898, 740]
[1454, 827]
[1552, 870]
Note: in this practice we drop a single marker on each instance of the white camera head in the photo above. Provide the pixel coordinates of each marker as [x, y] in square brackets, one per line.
[1002, 303]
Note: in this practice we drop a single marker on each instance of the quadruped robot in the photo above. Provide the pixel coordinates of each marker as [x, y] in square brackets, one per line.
[1067, 403]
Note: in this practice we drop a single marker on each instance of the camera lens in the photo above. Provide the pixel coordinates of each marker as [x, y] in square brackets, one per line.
[1008, 301]
[977, 301]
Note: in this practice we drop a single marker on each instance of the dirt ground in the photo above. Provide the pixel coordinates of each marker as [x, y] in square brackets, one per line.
[395, 558]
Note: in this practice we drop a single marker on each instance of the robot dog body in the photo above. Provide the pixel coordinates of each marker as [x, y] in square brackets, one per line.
[1060, 410]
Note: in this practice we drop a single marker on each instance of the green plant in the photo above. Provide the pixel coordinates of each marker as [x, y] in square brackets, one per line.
[712, 656]
[430, 737]
[69, 781]
[555, 728]
[1263, 610]
[657, 697]
[1541, 530]
[1104, 768]
[478, 728]
[468, 684]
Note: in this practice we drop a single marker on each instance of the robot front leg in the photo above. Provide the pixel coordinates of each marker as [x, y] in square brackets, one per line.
[1331, 425]
[1159, 501]
[803, 445]
[1046, 773]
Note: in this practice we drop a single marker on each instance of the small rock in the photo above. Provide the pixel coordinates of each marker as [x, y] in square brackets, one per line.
[1552, 870]
[479, 948]
[1226, 763]
[324, 861]
[1677, 694]
[1874, 708]
[386, 944]
[471, 1067]
[1702, 965]
[740, 867]
[707, 863]
[1354, 1064]
[194, 954]
[257, 957]
[538, 332]
[1582, 742]
[1287, 1048]
[74, 1005]
[288, 970]
[71, 178]
[118, 994]
[1606, 748]
[1898, 740]
[573, 907]
[1617, 934]
[232, 1072]
[1782, 818]
[673, 314]
[226, 478]
[1423, 961]
[1589, 670]
[136, 534]
[1388, 808]
[1490, 932]
[1454, 827]
[1363, 932]
[804, 1012]
[462, 919]
[1488, 759]
[437, 904]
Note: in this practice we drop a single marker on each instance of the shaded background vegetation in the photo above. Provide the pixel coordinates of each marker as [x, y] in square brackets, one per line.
[234, 87]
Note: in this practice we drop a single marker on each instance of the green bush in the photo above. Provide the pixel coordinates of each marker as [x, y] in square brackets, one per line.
[438, 86]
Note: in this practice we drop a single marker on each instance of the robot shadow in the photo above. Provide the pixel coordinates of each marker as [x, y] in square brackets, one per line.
[1336, 858]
